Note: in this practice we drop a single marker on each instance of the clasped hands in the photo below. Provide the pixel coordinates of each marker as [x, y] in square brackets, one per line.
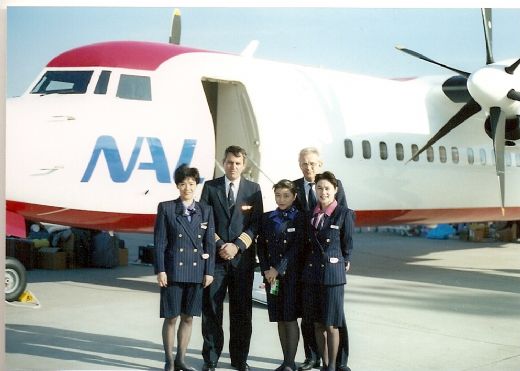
[228, 251]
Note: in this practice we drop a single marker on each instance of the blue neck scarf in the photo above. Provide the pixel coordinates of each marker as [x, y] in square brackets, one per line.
[280, 217]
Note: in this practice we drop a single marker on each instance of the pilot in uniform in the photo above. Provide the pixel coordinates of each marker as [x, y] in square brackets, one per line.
[184, 263]
[279, 248]
[324, 273]
[237, 209]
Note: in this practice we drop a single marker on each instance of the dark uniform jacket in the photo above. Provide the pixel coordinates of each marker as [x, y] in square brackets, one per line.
[239, 226]
[184, 250]
[281, 250]
[330, 248]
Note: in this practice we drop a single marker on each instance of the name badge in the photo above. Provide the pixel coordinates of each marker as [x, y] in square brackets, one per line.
[246, 207]
[333, 260]
[334, 226]
[205, 256]
[291, 229]
[204, 225]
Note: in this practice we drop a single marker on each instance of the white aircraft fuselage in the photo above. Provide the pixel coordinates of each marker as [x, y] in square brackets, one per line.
[95, 140]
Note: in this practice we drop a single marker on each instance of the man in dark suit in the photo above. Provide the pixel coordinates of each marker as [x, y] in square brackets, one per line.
[310, 165]
[237, 207]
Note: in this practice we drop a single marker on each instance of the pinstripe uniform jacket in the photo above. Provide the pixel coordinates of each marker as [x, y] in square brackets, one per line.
[239, 226]
[329, 248]
[281, 250]
[184, 250]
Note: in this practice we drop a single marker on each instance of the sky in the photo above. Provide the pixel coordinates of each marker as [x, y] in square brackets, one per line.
[359, 40]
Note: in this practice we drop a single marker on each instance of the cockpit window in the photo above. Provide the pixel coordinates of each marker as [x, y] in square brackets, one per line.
[63, 82]
[102, 84]
[134, 87]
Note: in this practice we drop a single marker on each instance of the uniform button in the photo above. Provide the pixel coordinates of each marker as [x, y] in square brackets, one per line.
[281, 255]
[180, 234]
[181, 263]
[194, 263]
[194, 250]
[199, 236]
[310, 264]
[322, 265]
[181, 250]
[328, 240]
[266, 240]
[284, 241]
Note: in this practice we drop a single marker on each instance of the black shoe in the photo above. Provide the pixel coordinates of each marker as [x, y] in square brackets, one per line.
[309, 364]
[208, 366]
[342, 368]
[167, 366]
[181, 366]
[241, 367]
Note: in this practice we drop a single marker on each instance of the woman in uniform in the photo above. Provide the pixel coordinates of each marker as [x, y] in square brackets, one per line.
[184, 263]
[326, 263]
[279, 245]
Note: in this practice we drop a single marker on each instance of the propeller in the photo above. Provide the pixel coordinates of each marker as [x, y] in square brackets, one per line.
[488, 89]
[175, 37]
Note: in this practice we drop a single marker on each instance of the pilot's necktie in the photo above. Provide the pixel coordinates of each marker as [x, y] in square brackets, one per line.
[311, 197]
[231, 198]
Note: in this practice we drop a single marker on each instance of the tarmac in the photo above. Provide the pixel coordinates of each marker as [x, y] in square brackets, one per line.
[411, 304]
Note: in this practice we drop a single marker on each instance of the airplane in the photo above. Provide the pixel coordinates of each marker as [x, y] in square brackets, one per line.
[123, 115]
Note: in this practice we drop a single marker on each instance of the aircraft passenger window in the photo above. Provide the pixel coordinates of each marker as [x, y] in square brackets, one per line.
[455, 155]
[134, 87]
[482, 153]
[517, 159]
[442, 154]
[429, 154]
[367, 152]
[399, 151]
[383, 150]
[102, 84]
[63, 82]
[415, 149]
[349, 148]
[471, 156]
[507, 156]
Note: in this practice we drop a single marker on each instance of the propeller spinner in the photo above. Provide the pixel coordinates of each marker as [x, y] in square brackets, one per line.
[491, 89]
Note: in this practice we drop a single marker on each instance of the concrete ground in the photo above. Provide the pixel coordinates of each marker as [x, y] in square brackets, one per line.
[411, 304]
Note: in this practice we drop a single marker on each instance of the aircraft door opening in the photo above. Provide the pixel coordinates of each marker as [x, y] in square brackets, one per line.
[234, 123]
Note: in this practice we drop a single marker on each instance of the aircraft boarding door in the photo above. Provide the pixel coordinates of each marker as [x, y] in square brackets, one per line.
[234, 123]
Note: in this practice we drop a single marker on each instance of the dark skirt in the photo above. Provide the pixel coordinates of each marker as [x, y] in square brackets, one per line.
[181, 298]
[284, 306]
[324, 304]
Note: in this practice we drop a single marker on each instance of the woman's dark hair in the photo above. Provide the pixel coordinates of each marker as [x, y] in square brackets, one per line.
[284, 183]
[327, 175]
[184, 172]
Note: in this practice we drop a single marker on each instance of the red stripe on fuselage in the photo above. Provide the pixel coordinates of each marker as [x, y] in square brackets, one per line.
[123, 222]
[107, 221]
[124, 54]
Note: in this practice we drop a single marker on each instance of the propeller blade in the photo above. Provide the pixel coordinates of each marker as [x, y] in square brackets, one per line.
[488, 34]
[498, 131]
[511, 69]
[513, 94]
[467, 110]
[424, 58]
[456, 89]
[175, 37]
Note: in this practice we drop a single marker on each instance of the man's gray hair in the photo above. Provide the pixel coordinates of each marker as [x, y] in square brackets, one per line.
[308, 150]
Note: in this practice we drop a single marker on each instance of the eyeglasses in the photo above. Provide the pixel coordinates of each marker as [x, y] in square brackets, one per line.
[309, 164]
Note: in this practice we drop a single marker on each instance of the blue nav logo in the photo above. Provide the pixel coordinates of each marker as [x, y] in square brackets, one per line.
[119, 173]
